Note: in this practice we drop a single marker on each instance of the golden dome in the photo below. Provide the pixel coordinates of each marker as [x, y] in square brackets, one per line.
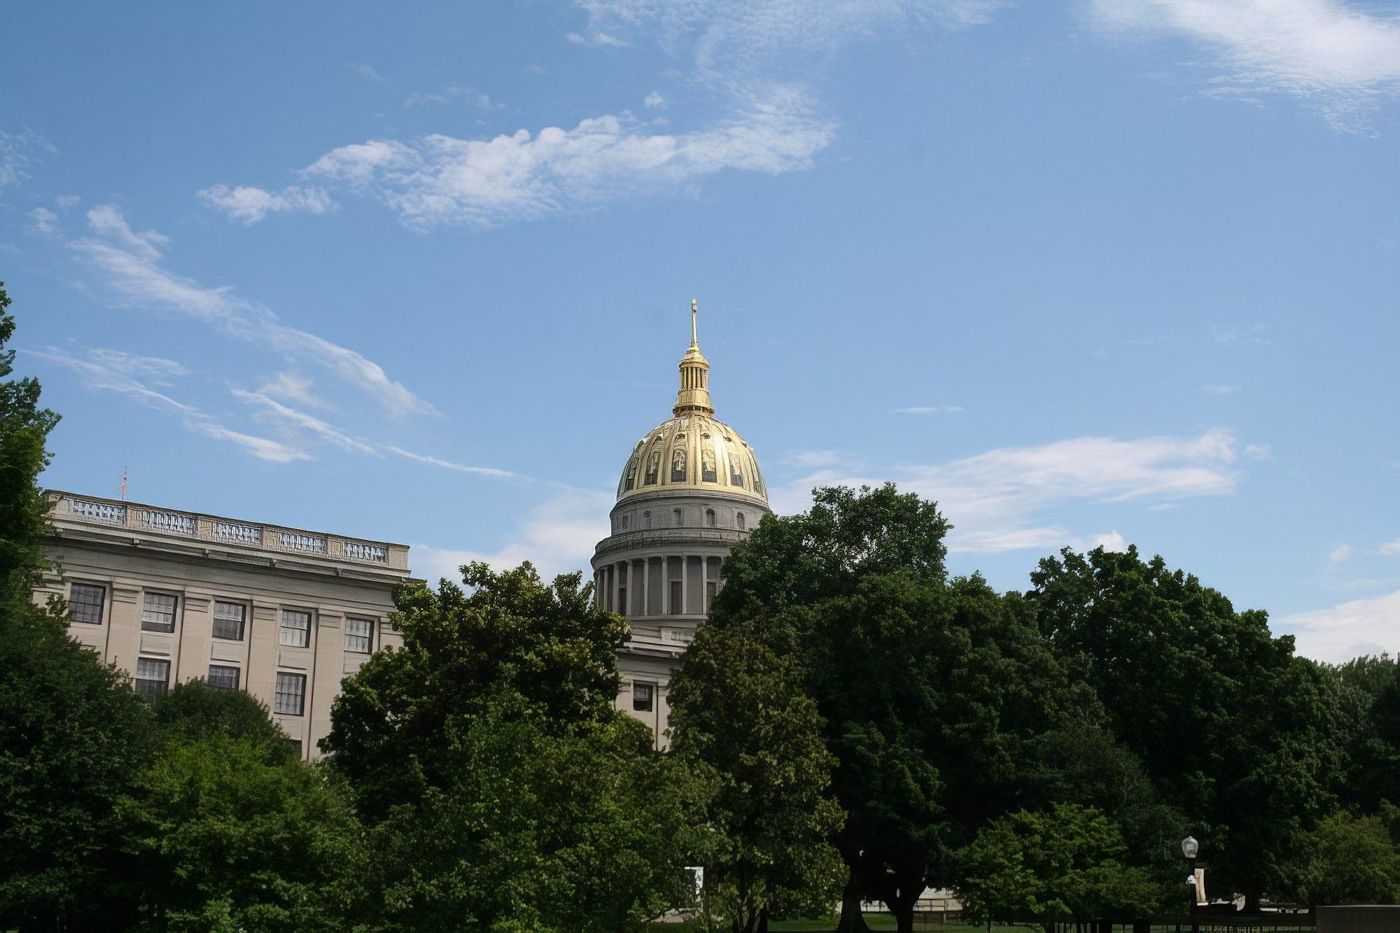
[692, 451]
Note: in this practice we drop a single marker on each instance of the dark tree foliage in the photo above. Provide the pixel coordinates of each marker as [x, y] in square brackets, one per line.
[231, 835]
[932, 692]
[24, 429]
[74, 739]
[1236, 732]
[1370, 701]
[537, 829]
[194, 711]
[738, 711]
[501, 788]
[1065, 864]
[1351, 860]
[548, 644]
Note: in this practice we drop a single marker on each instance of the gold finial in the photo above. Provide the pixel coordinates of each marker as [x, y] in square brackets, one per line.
[694, 395]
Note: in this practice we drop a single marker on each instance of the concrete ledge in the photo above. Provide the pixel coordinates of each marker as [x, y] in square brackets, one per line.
[1358, 918]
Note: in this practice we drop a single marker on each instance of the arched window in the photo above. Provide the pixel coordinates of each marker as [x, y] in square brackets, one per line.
[676, 517]
[646, 519]
[622, 523]
[710, 517]
[739, 521]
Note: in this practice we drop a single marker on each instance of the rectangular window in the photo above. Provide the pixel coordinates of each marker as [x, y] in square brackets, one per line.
[642, 697]
[359, 635]
[290, 698]
[674, 608]
[152, 677]
[296, 629]
[223, 677]
[86, 602]
[158, 613]
[229, 619]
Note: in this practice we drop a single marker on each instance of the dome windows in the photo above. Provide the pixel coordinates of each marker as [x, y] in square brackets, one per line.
[710, 518]
[680, 456]
[739, 521]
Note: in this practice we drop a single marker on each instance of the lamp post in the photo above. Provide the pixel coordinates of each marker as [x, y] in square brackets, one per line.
[1190, 848]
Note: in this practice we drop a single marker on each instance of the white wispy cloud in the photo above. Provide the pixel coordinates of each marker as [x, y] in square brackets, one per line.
[557, 537]
[441, 179]
[248, 205]
[131, 264]
[477, 99]
[928, 410]
[1391, 547]
[294, 388]
[1340, 553]
[19, 151]
[654, 101]
[729, 35]
[998, 500]
[455, 467]
[133, 375]
[595, 38]
[43, 221]
[1219, 389]
[364, 71]
[302, 423]
[1362, 626]
[1339, 54]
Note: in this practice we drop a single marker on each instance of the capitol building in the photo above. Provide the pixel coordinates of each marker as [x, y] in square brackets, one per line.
[286, 614]
[690, 489]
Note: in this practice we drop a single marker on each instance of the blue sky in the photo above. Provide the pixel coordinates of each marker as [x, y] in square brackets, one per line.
[1091, 272]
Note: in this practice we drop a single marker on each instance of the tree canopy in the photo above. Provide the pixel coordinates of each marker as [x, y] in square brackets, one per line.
[500, 786]
[738, 711]
[24, 429]
[931, 691]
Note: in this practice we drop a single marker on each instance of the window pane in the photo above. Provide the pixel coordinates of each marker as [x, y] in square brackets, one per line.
[641, 697]
[85, 603]
[675, 604]
[359, 635]
[291, 693]
[296, 628]
[158, 613]
[223, 677]
[152, 677]
[229, 619]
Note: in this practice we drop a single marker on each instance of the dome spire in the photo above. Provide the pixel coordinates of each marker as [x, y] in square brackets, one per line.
[694, 394]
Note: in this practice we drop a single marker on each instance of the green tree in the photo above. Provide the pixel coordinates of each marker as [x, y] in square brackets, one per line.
[1064, 864]
[538, 830]
[1352, 860]
[502, 788]
[24, 429]
[74, 739]
[1370, 700]
[1234, 730]
[549, 644]
[738, 710]
[229, 837]
[932, 692]
[194, 711]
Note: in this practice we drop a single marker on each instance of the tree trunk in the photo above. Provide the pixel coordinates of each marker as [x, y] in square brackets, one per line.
[1142, 926]
[851, 919]
[763, 920]
[1251, 902]
[902, 904]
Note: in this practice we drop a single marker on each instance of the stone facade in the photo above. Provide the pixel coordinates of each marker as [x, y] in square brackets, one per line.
[170, 596]
[691, 489]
